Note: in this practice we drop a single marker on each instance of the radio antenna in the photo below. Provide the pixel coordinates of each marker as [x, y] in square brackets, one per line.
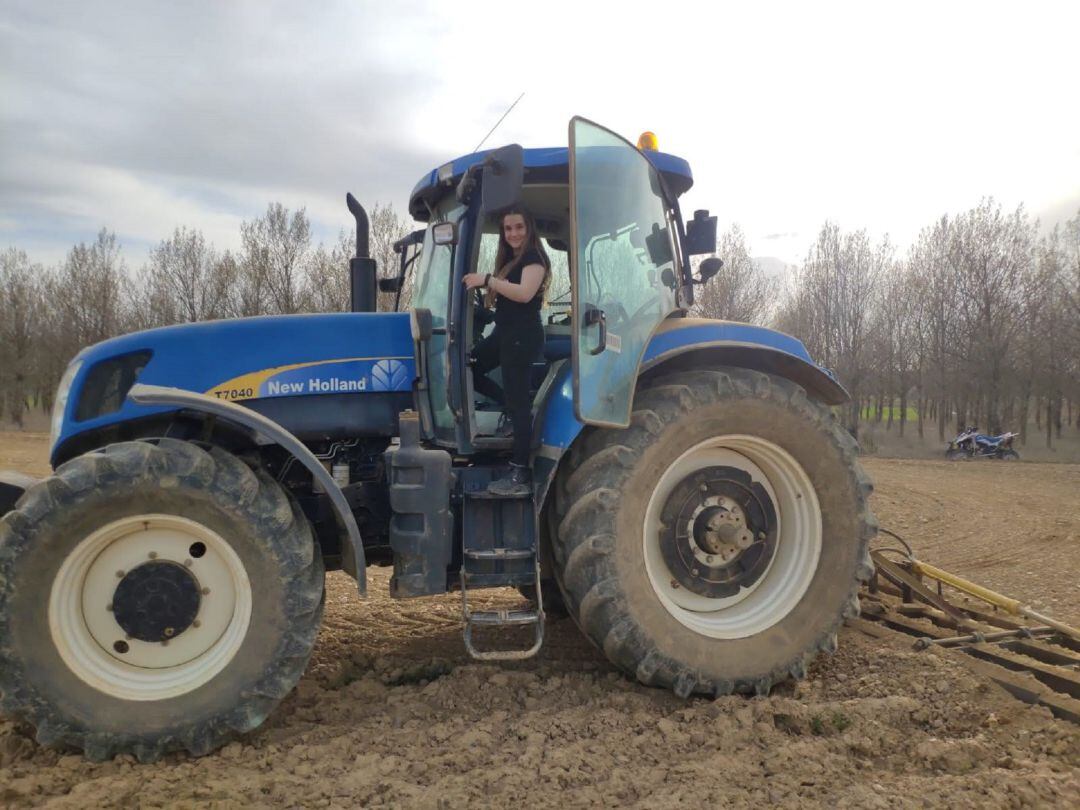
[508, 109]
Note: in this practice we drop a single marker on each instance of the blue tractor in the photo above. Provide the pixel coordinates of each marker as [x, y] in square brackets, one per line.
[696, 508]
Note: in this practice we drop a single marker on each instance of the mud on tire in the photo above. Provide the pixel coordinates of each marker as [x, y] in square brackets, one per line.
[736, 425]
[270, 568]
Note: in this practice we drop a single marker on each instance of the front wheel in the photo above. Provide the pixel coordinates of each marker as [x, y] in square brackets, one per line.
[154, 597]
[955, 454]
[716, 544]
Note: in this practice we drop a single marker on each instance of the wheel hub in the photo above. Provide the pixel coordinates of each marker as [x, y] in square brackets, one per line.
[157, 601]
[717, 531]
[150, 606]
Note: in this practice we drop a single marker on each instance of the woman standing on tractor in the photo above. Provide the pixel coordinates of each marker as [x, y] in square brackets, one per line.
[516, 289]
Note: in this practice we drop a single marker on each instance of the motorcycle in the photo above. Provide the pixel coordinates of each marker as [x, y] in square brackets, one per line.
[969, 443]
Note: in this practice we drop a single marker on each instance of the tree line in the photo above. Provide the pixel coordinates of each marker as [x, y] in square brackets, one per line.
[977, 323]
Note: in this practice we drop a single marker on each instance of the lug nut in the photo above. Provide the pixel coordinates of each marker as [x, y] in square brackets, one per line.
[196, 623]
[170, 632]
[108, 607]
[119, 574]
[674, 583]
[153, 555]
[188, 563]
[205, 591]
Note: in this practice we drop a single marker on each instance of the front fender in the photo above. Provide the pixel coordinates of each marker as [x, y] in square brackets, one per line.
[686, 344]
[268, 429]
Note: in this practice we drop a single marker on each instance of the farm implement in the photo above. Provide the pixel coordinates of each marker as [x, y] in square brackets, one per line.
[1033, 657]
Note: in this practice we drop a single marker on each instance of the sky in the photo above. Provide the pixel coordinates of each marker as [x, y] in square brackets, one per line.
[143, 116]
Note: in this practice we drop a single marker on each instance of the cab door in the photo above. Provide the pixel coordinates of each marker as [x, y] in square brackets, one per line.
[622, 268]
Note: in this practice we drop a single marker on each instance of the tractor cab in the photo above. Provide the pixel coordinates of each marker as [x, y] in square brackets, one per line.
[608, 216]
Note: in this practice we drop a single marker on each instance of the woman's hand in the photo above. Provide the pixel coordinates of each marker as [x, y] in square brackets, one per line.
[473, 280]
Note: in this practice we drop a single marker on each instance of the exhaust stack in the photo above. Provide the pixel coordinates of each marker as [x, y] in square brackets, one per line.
[362, 297]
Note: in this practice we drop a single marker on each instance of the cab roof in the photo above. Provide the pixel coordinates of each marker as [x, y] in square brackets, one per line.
[550, 165]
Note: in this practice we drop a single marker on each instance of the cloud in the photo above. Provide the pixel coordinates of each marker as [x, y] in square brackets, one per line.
[172, 114]
[140, 116]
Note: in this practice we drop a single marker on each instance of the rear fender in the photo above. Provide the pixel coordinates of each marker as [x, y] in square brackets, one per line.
[272, 433]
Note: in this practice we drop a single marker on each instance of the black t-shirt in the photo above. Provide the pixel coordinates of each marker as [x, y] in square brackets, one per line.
[509, 314]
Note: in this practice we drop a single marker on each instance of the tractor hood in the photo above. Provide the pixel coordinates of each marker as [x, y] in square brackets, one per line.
[253, 361]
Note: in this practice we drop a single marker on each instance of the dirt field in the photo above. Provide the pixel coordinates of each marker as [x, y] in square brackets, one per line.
[391, 713]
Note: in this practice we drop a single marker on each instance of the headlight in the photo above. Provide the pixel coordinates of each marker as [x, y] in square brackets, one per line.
[60, 403]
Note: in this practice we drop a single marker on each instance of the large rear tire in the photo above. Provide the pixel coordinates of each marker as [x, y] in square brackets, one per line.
[717, 543]
[154, 597]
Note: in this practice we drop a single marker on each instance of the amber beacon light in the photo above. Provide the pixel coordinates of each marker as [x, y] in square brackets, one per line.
[647, 142]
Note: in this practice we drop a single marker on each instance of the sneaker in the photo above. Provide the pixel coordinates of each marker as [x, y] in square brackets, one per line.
[516, 482]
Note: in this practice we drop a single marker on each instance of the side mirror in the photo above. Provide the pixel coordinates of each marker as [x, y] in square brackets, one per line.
[708, 268]
[503, 175]
[389, 285]
[700, 234]
[445, 233]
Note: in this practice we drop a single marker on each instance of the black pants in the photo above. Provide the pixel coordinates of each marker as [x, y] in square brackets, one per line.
[513, 349]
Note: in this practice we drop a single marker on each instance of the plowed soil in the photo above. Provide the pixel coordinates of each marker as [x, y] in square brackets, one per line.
[392, 713]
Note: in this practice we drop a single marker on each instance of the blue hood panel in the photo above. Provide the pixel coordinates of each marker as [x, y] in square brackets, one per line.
[259, 358]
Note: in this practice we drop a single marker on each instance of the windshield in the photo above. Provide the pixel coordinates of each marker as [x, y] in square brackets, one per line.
[432, 292]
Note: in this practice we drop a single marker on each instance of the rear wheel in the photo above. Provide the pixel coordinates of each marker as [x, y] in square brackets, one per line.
[1009, 455]
[154, 597]
[716, 544]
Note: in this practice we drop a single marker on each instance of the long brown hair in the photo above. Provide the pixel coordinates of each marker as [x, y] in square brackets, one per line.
[504, 254]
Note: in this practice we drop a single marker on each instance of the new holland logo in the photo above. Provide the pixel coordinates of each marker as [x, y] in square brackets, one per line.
[389, 375]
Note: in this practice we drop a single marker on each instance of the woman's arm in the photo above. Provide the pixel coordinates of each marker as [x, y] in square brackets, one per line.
[532, 276]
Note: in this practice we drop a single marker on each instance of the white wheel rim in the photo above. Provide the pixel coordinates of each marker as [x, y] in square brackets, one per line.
[85, 631]
[798, 548]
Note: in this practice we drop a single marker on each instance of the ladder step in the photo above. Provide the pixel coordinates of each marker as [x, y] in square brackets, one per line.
[494, 554]
[488, 580]
[504, 617]
[484, 495]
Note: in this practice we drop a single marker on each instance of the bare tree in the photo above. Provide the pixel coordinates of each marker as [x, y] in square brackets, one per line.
[829, 306]
[20, 301]
[327, 275]
[993, 255]
[740, 291]
[183, 281]
[272, 261]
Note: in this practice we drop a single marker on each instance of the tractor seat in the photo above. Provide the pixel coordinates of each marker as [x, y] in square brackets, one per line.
[556, 347]
[556, 342]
